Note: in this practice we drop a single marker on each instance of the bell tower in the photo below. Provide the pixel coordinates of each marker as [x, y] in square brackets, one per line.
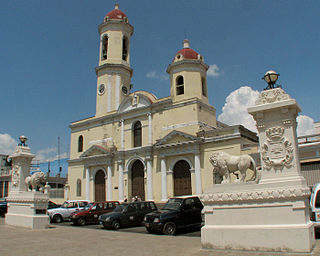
[114, 71]
[188, 75]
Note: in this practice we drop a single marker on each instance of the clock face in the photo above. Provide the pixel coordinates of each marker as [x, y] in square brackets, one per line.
[124, 90]
[101, 89]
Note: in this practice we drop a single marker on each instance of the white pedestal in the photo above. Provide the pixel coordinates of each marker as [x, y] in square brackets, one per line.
[27, 209]
[257, 217]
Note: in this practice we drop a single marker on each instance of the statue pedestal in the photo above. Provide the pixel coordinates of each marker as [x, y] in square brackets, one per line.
[257, 217]
[27, 209]
[272, 215]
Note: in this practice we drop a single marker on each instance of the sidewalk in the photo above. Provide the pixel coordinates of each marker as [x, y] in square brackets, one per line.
[68, 240]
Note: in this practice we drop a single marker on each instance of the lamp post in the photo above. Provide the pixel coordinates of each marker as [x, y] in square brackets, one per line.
[271, 78]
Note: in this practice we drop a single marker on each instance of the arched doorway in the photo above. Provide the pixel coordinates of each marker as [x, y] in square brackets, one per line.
[100, 187]
[182, 178]
[137, 179]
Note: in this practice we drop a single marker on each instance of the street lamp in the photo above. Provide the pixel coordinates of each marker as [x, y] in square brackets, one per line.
[271, 78]
[23, 139]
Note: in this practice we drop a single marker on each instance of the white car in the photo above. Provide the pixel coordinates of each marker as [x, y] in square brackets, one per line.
[63, 213]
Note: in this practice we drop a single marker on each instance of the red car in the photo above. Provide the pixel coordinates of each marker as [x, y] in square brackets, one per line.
[92, 211]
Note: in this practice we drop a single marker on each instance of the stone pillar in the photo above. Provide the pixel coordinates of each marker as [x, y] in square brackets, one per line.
[275, 114]
[150, 129]
[197, 171]
[122, 134]
[120, 186]
[66, 191]
[25, 208]
[109, 193]
[87, 183]
[164, 196]
[272, 213]
[149, 179]
[21, 162]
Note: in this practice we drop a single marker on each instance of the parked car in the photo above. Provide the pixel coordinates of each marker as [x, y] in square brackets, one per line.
[127, 214]
[92, 212]
[315, 205]
[52, 205]
[177, 213]
[3, 207]
[63, 213]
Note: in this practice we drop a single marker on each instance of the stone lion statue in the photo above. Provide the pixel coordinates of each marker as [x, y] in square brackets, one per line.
[36, 181]
[224, 164]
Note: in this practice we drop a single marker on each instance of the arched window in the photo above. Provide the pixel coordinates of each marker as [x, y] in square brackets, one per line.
[104, 54]
[180, 85]
[78, 187]
[137, 134]
[124, 48]
[80, 143]
[204, 86]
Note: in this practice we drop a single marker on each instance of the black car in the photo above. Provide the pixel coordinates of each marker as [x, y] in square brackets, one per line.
[127, 214]
[3, 207]
[177, 213]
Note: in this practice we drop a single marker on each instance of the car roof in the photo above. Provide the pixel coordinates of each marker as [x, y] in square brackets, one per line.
[71, 201]
[138, 202]
[104, 202]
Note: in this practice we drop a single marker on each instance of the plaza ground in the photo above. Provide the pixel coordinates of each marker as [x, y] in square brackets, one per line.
[67, 239]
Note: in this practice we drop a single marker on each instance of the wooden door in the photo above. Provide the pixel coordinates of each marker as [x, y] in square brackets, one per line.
[100, 187]
[137, 179]
[182, 178]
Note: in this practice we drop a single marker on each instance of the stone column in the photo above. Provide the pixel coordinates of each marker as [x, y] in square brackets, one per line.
[87, 183]
[150, 129]
[197, 170]
[122, 134]
[21, 162]
[275, 114]
[120, 186]
[149, 179]
[109, 193]
[164, 196]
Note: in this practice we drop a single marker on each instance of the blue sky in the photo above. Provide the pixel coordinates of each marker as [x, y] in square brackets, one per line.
[49, 49]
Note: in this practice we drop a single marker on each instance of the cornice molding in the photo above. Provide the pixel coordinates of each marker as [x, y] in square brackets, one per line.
[281, 193]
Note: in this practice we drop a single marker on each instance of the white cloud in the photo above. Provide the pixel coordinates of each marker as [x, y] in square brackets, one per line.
[156, 75]
[214, 70]
[305, 125]
[7, 144]
[235, 112]
[49, 154]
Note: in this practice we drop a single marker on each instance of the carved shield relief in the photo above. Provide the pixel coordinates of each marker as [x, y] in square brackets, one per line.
[277, 151]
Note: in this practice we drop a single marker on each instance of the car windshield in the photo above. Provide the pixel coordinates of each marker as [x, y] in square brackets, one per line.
[120, 208]
[64, 205]
[88, 206]
[172, 204]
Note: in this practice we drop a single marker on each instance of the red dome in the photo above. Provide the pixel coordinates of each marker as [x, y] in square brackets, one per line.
[116, 14]
[187, 52]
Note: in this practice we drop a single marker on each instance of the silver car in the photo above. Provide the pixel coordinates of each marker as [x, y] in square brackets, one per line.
[63, 213]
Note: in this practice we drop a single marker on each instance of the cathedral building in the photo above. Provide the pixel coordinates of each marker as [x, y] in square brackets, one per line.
[139, 145]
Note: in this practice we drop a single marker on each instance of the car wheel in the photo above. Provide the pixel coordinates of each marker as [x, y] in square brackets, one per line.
[115, 224]
[57, 218]
[169, 228]
[81, 222]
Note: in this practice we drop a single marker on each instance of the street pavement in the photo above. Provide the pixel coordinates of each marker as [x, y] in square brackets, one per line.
[66, 239]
